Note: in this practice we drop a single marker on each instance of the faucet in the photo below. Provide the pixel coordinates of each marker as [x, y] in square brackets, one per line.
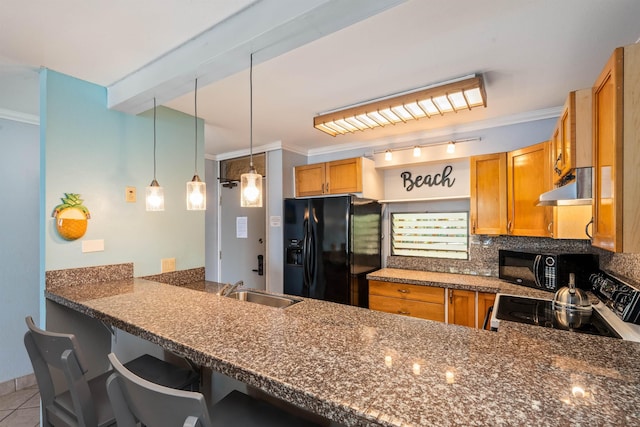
[229, 288]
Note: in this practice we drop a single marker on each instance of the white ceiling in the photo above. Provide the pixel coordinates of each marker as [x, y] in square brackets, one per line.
[313, 56]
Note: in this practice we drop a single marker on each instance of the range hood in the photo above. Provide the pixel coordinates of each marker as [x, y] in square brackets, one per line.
[577, 192]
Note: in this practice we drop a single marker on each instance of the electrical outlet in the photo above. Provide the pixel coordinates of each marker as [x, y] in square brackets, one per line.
[130, 194]
[167, 265]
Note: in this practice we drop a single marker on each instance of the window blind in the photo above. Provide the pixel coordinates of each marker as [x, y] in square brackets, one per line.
[436, 235]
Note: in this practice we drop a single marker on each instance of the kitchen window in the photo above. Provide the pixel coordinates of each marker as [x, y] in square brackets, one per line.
[433, 235]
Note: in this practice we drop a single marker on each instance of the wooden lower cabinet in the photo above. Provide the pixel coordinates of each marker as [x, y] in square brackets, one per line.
[425, 302]
[485, 300]
[462, 307]
[428, 302]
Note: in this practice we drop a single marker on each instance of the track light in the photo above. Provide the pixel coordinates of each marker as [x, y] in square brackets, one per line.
[451, 147]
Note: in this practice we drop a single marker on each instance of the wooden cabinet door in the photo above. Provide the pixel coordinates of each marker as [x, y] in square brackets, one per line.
[310, 180]
[528, 176]
[485, 300]
[570, 222]
[344, 176]
[425, 302]
[607, 155]
[407, 307]
[462, 307]
[414, 292]
[566, 150]
[489, 194]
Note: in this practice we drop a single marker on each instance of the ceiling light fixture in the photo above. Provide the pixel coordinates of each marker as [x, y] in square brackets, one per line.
[435, 100]
[154, 194]
[417, 151]
[451, 147]
[196, 189]
[388, 156]
[251, 182]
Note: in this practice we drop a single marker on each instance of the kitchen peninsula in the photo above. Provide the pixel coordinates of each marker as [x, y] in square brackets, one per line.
[362, 367]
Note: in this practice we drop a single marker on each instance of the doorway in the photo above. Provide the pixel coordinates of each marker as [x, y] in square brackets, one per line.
[242, 230]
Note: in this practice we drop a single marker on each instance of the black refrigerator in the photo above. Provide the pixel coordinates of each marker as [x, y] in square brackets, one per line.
[331, 243]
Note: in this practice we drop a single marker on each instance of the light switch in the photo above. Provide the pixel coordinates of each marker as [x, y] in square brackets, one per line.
[167, 265]
[130, 195]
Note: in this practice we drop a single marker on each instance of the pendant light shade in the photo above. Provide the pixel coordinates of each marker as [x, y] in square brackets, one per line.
[251, 189]
[154, 194]
[196, 189]
[251, 182]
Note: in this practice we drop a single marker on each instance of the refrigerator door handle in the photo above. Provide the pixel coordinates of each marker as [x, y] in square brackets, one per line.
[312, 255]
[305, 255]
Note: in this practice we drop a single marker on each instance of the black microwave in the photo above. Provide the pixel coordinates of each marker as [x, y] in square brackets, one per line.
[548, 272]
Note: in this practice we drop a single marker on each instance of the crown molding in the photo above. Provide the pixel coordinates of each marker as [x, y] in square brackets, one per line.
[17, 116]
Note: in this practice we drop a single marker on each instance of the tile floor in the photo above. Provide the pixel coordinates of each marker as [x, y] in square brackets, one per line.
[20, 408]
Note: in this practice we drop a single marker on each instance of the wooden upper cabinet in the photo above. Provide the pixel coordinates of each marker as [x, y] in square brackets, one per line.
[571, 139]
[528, 176]
[571, 222]
[616, 153]
[489, 194]
[344, 176]
[357, 175]
[310, 180]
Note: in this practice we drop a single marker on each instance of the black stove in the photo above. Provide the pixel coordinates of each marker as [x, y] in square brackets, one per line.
[540, 312]
[616, 315]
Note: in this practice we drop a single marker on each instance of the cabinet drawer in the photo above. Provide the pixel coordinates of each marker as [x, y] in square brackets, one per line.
[402, 291]
[423, 310]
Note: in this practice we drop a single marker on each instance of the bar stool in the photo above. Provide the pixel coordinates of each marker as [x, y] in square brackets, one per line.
[135, 399]
[85, 403]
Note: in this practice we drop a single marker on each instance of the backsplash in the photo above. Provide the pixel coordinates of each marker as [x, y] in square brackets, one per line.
[483, 256]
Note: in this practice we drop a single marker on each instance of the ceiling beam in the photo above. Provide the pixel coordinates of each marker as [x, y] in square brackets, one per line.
[267, 28]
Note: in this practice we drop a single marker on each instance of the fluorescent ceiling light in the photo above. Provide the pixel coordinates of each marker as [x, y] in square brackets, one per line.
[435, 100]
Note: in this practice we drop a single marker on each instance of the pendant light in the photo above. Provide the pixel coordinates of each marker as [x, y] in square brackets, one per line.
[251, 182]
[154, 193]
[196, 189]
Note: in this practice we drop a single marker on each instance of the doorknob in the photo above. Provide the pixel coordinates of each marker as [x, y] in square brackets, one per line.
[260, 269]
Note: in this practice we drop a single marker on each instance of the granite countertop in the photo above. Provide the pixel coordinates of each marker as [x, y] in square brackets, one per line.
[363, 367]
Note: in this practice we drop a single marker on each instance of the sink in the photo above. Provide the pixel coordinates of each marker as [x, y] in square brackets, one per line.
[264, 299]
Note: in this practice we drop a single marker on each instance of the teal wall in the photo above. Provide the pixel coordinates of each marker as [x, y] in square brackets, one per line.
[97, 152]
[19, 242]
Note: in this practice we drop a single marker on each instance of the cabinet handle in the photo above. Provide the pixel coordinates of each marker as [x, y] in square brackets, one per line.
[322, 188]
[403, 291]
[549, 229]
[509, 227]
[473, 226]
[403, 312]
[555, 165]
[327, 187]
[586, 229]
[450, 296]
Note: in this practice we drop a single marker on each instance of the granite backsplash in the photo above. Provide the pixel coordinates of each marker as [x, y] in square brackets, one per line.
[483, 256]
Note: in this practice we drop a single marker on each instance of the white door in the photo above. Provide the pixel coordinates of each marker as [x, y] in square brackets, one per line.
[240, 247]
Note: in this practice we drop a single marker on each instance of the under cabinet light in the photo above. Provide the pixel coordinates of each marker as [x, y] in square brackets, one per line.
[435, 100]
